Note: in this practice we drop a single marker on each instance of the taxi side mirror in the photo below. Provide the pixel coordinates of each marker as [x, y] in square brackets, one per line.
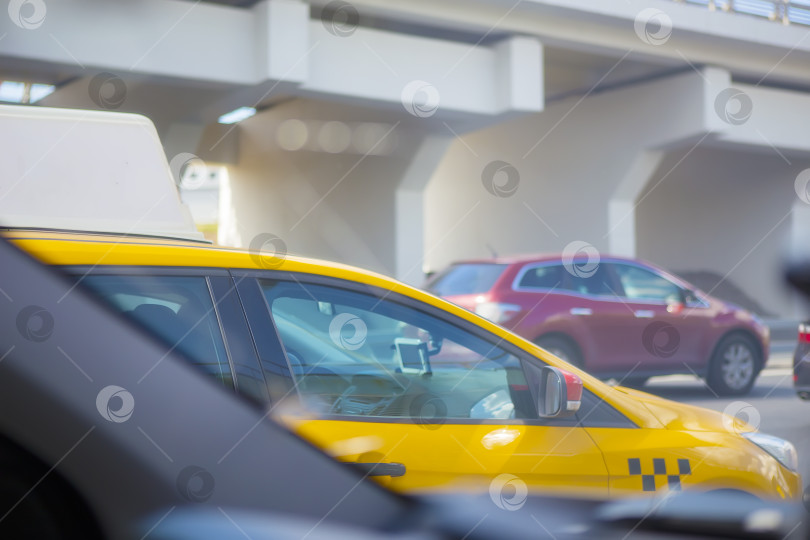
[560, 393]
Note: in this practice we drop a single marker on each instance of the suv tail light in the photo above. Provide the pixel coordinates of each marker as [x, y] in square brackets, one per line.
[497, 312]
[804, 333]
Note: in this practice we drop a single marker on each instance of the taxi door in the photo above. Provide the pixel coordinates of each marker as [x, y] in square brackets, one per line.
[409, 395]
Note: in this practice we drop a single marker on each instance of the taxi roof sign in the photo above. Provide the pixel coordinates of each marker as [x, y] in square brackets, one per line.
[94, 171]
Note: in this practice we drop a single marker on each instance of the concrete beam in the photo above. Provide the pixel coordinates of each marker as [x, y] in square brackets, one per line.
[519, 88]
[771, 119]
[389, 67]
[275, 48]
[173, 38]
[746, 45]
[282, 40]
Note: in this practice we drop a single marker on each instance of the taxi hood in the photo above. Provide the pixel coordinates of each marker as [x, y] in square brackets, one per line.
[682, 417]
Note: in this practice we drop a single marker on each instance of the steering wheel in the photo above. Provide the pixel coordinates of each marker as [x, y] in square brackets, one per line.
[358, 401]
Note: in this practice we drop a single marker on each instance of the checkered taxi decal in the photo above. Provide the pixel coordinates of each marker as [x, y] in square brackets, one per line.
[660, 476]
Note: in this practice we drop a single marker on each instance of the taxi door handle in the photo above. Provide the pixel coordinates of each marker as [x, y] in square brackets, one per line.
[644, 314]
[381, 469]
[581, 311]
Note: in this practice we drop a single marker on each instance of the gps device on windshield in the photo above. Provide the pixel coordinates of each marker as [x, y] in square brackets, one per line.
[412, 356]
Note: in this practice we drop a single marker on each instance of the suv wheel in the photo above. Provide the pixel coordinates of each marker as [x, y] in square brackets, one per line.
[562, 349]
[734, 366]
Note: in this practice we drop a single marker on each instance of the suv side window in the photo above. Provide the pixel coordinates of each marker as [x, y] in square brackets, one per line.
[595, 282]
[178, 309]
[360, 355]
[642, 284]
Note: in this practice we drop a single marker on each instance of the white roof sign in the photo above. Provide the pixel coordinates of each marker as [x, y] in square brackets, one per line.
[87, 171]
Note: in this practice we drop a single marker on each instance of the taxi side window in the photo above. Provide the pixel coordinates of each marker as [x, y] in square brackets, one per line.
[359, 355]
[177, 309]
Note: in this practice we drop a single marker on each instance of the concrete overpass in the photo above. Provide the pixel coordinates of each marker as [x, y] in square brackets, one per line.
[652, 128]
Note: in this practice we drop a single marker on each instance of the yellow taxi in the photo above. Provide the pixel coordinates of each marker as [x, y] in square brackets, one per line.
[421, 394]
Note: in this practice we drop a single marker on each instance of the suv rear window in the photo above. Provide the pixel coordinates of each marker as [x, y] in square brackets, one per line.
[549, 276]
[467, 279]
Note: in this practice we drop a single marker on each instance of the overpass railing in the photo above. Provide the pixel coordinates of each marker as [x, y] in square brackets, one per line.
[784, 11]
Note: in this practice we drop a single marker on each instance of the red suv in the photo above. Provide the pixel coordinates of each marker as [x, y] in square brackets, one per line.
[614, 317]
[801, 362]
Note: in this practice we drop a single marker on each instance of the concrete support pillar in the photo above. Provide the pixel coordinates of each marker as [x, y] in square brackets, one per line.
[409, 208]
[181, 138]
[800, 229]
[622, 205]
